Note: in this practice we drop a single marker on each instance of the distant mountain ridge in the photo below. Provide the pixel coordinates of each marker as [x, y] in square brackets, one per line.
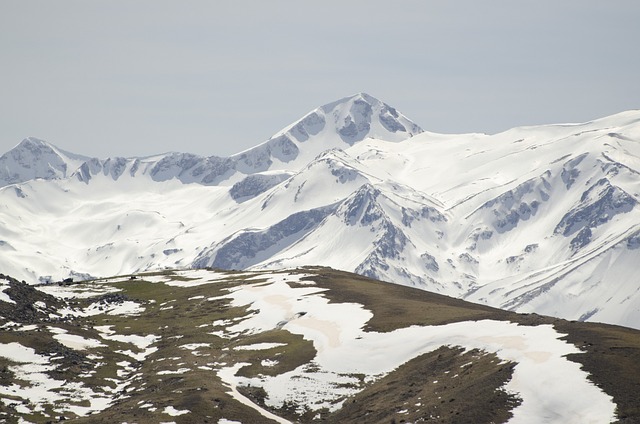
[535, 219]
[336, 125]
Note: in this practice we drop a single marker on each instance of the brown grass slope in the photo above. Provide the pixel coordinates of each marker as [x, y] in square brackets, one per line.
[447, 385]
[612, 352]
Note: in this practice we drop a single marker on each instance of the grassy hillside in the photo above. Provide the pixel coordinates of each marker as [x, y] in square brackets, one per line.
[171, 346]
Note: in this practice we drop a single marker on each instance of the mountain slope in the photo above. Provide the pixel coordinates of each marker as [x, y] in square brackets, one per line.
[340, 124]
[535, 219]
[309, 345]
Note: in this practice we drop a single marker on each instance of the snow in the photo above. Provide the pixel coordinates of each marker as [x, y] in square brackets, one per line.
[14, 326]
[127, 308]
[105, 329]
[194, 278]
[73, 341]
[15, 352]
[142, 343]
[228, 376]
[553, 389]
[4, 284]
[178, 371]
[196, 297]
[259, 346]
[77, 291]
[496, 195]
[40, 389]
[170, 410]
[194, 346]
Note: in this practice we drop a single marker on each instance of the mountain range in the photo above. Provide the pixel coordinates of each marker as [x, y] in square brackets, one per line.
[304, 345]
[540, 219]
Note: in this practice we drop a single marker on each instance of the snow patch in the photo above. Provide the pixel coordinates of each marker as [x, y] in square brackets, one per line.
[548, 383]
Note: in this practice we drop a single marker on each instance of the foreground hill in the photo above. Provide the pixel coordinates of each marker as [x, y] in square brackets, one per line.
[299, 345]
[536, 219]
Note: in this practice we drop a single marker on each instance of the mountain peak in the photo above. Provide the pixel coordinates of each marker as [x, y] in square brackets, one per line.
[362, 115]
[354, 118]
[345, 101]
[36, 158]
[336, 125]
[34, 145]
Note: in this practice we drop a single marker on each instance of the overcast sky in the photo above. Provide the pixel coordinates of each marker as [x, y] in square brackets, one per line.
[134, 78]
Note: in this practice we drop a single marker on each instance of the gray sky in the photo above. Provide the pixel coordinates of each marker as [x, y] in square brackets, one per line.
[134, 78]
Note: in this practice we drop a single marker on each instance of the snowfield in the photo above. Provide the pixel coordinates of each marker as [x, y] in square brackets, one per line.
[535, 219]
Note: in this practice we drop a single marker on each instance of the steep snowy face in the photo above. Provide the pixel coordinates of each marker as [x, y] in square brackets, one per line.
[340, 124]
[357, 117]
[34, 158]
[541, 219]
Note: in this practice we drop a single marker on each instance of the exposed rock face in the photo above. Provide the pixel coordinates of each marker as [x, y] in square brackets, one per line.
[34, 158]
[336, 125]
[598, 205]
[253, 185]
[28, 305]
[251, 247]
[308, 126]
[519, 204]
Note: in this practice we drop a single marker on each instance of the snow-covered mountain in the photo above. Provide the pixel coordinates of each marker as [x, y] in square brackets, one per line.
[336, 125]
[34, 158]
[535, 219]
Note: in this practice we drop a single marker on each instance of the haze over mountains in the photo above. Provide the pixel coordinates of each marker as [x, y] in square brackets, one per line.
[535, 219]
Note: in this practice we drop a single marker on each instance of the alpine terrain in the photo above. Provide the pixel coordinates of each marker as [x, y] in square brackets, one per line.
[535, 219]
[305, 345]
[255, 288]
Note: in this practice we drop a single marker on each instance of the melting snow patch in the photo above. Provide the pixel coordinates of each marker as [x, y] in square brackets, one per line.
[194, 346]
[105, 329]
[222, 322]
[228, 375]
[73, 341]
[178, 371]
[78, 291]
[126, 308]
[170, 410]
[197, 278]
[4, 284]
[259, 346]
[141, 342]
[14, 326]
[39, 389]
[553, 389]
